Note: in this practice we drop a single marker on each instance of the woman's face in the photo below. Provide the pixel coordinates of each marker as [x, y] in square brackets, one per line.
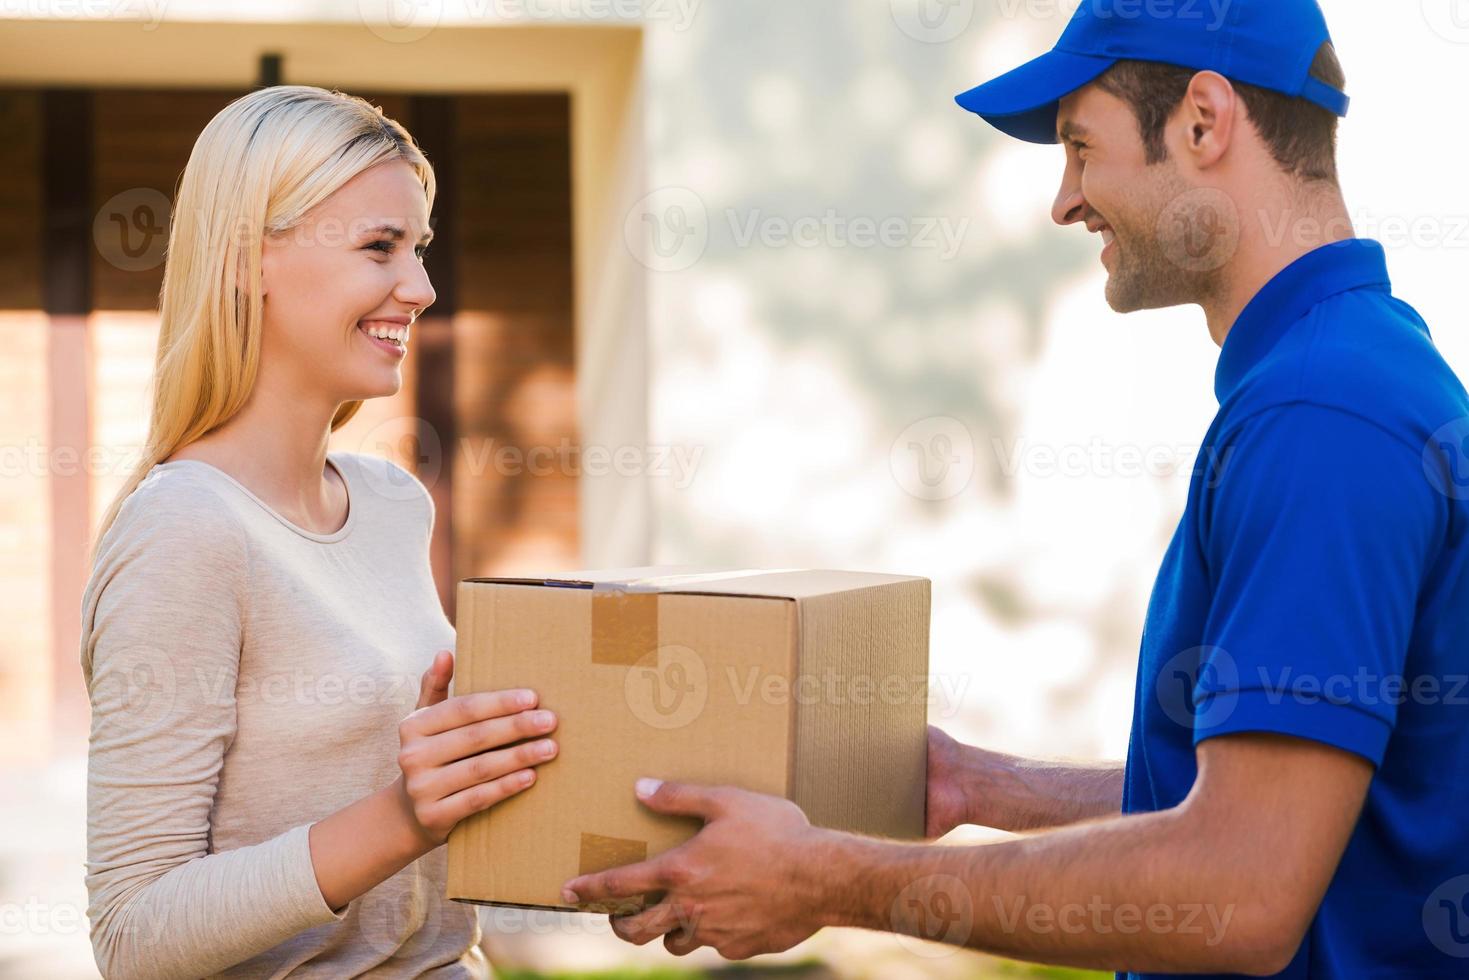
[352, 269]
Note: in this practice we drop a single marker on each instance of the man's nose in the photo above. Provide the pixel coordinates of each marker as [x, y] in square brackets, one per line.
[1069, 206]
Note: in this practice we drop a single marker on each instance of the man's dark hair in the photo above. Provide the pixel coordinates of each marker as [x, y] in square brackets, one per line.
[1300, 134]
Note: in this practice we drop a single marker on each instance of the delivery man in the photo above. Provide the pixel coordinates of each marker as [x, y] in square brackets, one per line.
[1295, 799]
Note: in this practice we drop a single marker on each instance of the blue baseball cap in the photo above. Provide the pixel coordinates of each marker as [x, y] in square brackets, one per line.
[1266, 43]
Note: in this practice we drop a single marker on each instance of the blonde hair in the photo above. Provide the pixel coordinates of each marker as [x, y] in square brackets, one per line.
[257, 169]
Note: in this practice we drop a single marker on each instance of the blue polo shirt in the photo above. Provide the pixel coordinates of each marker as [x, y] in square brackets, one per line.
[1318, 587]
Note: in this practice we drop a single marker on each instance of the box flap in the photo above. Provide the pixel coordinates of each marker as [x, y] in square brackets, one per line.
[780, 583]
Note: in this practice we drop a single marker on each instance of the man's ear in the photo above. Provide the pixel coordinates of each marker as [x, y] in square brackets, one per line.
[1206, 119]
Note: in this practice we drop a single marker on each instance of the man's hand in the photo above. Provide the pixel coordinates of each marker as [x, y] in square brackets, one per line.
[742, 885]
[967, 784]
[948, 804]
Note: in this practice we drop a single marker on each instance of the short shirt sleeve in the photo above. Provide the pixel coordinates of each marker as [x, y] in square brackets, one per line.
[1318, 536]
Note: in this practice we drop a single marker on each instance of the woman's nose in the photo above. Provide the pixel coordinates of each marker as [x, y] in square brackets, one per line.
[416, 290]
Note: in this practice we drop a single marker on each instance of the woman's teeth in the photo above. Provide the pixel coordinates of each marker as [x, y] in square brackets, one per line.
[384, 332]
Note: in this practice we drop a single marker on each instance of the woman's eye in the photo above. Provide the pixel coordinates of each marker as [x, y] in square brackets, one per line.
[386, 246]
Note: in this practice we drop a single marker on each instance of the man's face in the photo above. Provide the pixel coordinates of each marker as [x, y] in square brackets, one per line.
[1149, 216]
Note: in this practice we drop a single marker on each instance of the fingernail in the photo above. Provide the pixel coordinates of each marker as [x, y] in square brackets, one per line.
[647, 787]
[569, 897]
[525, 699]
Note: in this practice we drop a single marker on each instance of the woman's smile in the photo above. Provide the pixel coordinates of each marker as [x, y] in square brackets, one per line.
[389, 335]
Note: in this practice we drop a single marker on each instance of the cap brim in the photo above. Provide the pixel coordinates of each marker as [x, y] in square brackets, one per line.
[1022, 102]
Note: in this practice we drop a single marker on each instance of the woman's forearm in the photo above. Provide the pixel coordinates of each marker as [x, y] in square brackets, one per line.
[1018, 794]
[364, 844]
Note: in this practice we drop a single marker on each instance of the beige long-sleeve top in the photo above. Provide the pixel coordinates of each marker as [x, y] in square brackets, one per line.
[247, 678]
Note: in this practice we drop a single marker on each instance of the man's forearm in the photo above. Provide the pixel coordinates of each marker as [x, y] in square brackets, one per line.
[362, 845]
[1139, 892]
[1017, 794]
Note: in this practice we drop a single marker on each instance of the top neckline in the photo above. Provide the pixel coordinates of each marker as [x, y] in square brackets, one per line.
[336, 535]
[1324, 272]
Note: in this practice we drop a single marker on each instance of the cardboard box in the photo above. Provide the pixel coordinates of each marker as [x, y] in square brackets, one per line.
[812, 685]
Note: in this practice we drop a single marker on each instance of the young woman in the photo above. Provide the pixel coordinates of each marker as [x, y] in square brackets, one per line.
[267, 789]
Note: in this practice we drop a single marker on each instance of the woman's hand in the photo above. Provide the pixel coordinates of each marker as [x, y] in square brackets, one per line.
[459, 755]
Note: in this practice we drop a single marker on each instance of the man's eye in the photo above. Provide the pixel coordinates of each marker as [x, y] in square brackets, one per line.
[421, 251]
[384, 245]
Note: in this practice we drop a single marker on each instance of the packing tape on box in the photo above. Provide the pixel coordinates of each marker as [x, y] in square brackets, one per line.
[624, 633]
[625, 614]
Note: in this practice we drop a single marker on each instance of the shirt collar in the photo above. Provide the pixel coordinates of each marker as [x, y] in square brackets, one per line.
[1354, 263]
